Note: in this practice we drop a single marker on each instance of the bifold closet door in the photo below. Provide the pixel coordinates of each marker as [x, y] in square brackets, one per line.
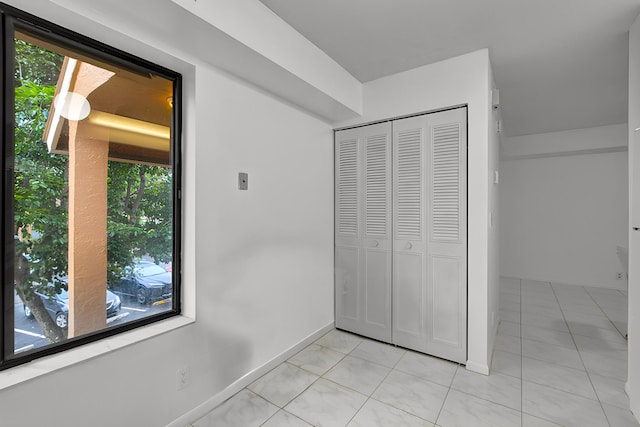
[410, 148]
[430, 234]
[363, 230]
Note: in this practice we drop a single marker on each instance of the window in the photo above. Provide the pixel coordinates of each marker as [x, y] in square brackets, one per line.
[90, 193]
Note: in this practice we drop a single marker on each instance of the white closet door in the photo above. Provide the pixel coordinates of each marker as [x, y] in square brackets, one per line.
[404, 215]
[447, 245]
[348, 239]
[429, 289]
[363, 246]
[409, 205]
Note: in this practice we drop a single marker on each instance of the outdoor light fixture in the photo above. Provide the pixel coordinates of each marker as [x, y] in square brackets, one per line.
[72, 105]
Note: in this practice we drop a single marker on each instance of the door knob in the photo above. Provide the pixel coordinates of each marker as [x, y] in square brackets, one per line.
[408, 245]
[375, 244]
[636, 228]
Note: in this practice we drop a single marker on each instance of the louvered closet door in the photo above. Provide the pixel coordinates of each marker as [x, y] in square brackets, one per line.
[363, 231]
[409, 219]
[348, 239]
[447, 227]
[429, 288]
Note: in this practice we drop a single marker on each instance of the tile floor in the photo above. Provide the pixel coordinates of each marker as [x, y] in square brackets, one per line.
[560, 359]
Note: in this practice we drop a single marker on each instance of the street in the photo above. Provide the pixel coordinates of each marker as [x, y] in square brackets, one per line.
[28, 334]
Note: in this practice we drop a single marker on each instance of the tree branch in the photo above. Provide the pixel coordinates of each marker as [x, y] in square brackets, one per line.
[139, 195]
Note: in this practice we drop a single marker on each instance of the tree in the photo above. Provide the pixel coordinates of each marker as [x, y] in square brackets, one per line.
[140, 217]
[40, 189]
[139, 207]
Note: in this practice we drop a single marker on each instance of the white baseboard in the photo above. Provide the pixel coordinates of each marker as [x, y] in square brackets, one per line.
[478, 367]
[494, 335]
[622, 287]
[214, 401]
[507, 276]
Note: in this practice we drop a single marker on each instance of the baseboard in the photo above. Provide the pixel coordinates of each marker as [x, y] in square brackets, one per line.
[494, 335]
[561, 282]
[507, 276]
[627, 389]
[478, 367]
[214, 401]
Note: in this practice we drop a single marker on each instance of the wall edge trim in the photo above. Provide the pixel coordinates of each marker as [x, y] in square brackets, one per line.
[480, 368]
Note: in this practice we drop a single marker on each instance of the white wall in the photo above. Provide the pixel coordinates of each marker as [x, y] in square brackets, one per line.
[633, 383]
[281, 44]
[264, 256]
[260, 261]
[461, 80]
[494, 260]
[564, 213]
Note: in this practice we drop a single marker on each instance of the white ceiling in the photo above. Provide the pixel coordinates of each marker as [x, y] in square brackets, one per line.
[559, 64]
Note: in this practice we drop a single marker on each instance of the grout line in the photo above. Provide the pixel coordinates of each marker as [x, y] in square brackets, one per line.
[401, 410]
[580, 354]
[276, 413]
[446, 396]
[359, 409]
[605, 314]
[309, 372]
[370, 397]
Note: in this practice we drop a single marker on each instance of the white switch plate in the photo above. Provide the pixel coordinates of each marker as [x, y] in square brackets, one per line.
[243, 181]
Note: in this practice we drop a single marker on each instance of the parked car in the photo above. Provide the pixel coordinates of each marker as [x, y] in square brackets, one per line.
[58, 306]
[146, 281]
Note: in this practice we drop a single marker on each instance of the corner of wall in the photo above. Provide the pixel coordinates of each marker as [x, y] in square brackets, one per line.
[480, 368]
[634, 205]
[493, 285]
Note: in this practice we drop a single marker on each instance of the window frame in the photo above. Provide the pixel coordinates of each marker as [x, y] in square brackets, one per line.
[13, 20]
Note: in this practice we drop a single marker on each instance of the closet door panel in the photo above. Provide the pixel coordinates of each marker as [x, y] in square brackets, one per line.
[348, 239]
[447, 245]
[363, 225]
[445, 317]
[377, 284]
[347, 187]
[408, 295]
[347, 284]
[376, 295]
[409, 310]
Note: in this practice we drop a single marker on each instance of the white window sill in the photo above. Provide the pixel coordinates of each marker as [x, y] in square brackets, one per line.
[45, 365]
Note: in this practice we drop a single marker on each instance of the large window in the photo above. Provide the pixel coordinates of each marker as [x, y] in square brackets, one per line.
[90, 190]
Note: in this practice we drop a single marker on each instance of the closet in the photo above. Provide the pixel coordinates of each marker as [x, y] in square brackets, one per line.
[401, 232]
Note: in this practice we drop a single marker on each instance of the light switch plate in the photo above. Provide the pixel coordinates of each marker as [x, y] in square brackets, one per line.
[243, 181]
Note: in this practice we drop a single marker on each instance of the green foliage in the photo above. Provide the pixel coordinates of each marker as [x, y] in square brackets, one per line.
[36, 64]
[139, 214]
[40, 190]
